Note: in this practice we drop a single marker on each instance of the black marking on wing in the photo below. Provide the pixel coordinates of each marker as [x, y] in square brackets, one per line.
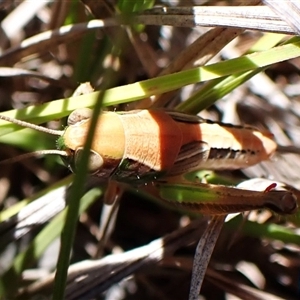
[228, 153]
[182, 117]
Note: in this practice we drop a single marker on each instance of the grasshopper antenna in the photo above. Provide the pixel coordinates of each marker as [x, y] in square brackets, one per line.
[35, 153]
[32, 126]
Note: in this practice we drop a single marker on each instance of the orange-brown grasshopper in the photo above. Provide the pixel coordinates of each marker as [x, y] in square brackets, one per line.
[147, 145]
[143, 146]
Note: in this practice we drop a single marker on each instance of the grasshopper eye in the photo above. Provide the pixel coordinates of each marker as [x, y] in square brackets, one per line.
[95, 160]
[79, 115]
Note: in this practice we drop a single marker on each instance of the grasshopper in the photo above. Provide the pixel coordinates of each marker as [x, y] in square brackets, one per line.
[142, 146]
[138, 147]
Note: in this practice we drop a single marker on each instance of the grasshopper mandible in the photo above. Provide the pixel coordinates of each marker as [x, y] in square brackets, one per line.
[145, 145]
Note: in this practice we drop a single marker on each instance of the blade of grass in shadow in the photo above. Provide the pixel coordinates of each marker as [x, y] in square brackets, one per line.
[76, 191]
[77, 188]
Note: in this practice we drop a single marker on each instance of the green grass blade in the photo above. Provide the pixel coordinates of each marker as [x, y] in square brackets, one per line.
[159, 85]
[270, 231]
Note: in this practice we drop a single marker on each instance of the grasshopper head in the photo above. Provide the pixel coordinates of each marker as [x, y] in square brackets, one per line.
[107, 147]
